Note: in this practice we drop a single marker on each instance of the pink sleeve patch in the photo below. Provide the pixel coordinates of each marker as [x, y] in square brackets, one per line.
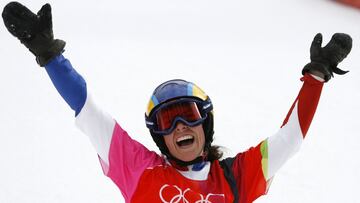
[104, 166]
[128, 159]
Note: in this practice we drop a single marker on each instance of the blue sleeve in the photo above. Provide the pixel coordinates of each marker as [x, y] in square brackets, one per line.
[70, 84]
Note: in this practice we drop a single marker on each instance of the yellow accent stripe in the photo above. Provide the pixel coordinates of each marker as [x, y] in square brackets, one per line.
[197, 92]
[150, 107]
[264, 160]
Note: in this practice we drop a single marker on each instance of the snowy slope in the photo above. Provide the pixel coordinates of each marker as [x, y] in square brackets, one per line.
[246, 55]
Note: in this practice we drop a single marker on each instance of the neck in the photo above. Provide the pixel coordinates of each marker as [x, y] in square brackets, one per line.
[198, 171]
[196, 166]
[177, 163]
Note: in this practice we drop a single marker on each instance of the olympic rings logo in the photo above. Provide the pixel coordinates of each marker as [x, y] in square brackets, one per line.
[182, 196]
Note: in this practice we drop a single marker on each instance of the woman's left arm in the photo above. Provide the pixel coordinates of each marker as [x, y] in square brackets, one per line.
[323, 65]
[283, 145]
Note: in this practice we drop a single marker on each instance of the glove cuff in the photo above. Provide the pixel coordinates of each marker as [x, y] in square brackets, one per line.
[315, 66]
[56, 48]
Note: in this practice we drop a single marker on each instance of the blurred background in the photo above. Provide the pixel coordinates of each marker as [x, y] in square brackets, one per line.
[247, 55]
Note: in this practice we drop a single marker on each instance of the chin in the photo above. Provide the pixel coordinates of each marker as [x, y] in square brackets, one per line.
[189, 157]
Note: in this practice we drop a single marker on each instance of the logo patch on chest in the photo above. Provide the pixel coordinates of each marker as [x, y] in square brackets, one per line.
[175, 194]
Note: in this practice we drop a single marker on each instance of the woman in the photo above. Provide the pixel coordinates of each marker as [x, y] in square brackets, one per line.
[180, 121]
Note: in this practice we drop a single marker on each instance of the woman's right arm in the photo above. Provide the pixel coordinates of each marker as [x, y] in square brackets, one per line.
[122, 158]
[95, 123]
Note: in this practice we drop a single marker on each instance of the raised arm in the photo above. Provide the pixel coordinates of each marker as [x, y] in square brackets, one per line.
[324, 61]
[254, 168]
[36, 33]
[122, 158]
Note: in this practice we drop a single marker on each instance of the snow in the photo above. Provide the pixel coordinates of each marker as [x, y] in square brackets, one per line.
[247, 55]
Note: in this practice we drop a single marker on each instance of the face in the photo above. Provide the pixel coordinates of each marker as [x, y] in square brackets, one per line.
[186, 143]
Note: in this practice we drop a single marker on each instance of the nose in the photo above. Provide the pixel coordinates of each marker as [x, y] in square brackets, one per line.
[181, 127]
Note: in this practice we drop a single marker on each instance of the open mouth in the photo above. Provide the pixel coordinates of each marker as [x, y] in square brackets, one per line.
[185, 140]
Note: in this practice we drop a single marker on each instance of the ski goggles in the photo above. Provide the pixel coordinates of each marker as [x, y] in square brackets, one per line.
[190, 112]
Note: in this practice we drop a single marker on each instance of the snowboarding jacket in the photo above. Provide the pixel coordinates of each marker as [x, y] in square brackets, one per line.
[145, 176]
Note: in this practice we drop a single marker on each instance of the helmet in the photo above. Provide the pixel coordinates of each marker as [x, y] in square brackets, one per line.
[176, 91]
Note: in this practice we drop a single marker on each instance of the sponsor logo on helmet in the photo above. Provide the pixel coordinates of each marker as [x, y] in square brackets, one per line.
[149, 123]
[206, 106]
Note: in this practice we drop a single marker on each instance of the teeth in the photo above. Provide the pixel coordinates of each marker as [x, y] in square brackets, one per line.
[186, 137]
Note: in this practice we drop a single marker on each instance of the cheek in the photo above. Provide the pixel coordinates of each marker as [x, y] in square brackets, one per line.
[168, 141]
[201, 135]
[202, 141]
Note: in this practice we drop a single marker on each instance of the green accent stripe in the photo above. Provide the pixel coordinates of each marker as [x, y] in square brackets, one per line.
[264, 160]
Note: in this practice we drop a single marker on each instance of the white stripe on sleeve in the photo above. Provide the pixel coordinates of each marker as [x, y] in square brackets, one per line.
[98, 126]
[285, 143]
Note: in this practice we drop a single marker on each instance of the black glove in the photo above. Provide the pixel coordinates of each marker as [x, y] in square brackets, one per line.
[33, 30]
[326, 59]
